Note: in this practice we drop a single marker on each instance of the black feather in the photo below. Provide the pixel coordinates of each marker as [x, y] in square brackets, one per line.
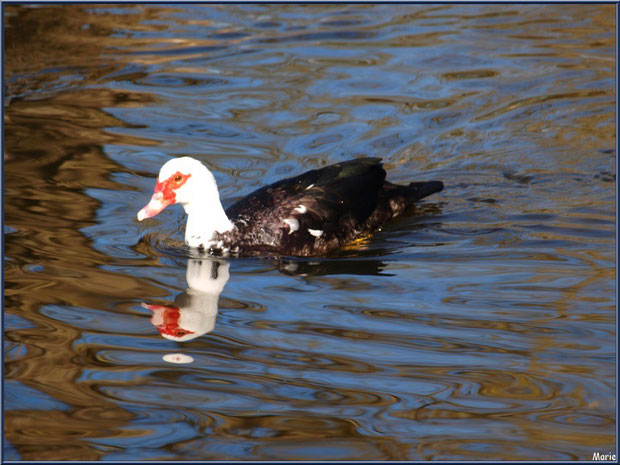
[331, 206]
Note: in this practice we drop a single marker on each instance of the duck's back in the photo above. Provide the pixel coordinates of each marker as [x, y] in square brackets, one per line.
[310, 213]
[318, 211]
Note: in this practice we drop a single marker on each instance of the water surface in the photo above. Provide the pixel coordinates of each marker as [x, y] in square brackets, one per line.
[478, 326]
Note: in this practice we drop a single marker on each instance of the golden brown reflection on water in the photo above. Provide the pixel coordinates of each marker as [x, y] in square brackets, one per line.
[50, 162]
[480, 327]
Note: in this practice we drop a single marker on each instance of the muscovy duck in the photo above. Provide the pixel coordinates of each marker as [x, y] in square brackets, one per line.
[308, 215]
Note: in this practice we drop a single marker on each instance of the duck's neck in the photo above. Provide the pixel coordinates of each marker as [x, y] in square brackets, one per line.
[205, 219]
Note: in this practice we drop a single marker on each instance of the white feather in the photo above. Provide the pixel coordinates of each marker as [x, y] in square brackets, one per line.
[293, 224]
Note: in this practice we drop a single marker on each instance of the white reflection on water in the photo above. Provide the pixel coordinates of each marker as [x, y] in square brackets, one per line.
[195, 310]
[178, 358]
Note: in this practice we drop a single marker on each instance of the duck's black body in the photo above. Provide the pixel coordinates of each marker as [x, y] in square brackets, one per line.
[318, 211]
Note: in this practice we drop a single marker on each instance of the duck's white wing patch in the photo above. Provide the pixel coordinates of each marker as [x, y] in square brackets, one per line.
[301, 209]
[293, 224]
[316, 232]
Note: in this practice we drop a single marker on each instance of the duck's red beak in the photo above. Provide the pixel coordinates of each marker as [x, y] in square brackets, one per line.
[157, 204]
[164, 195]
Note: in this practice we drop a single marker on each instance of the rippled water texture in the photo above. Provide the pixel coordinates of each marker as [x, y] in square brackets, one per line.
[480, 325]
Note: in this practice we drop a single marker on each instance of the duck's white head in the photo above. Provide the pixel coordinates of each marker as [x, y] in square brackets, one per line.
[178, 182]
[188, 182]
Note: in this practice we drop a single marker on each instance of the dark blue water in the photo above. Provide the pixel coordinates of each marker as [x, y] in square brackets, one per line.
[478, 326]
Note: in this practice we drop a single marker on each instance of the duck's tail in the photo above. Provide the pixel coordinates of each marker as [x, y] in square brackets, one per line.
[396, 198]
[418, 190]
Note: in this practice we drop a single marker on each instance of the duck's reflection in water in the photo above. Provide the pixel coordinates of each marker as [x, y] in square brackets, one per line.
[194, 311]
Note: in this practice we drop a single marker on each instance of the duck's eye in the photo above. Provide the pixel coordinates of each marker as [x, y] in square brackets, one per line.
[178, 178]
